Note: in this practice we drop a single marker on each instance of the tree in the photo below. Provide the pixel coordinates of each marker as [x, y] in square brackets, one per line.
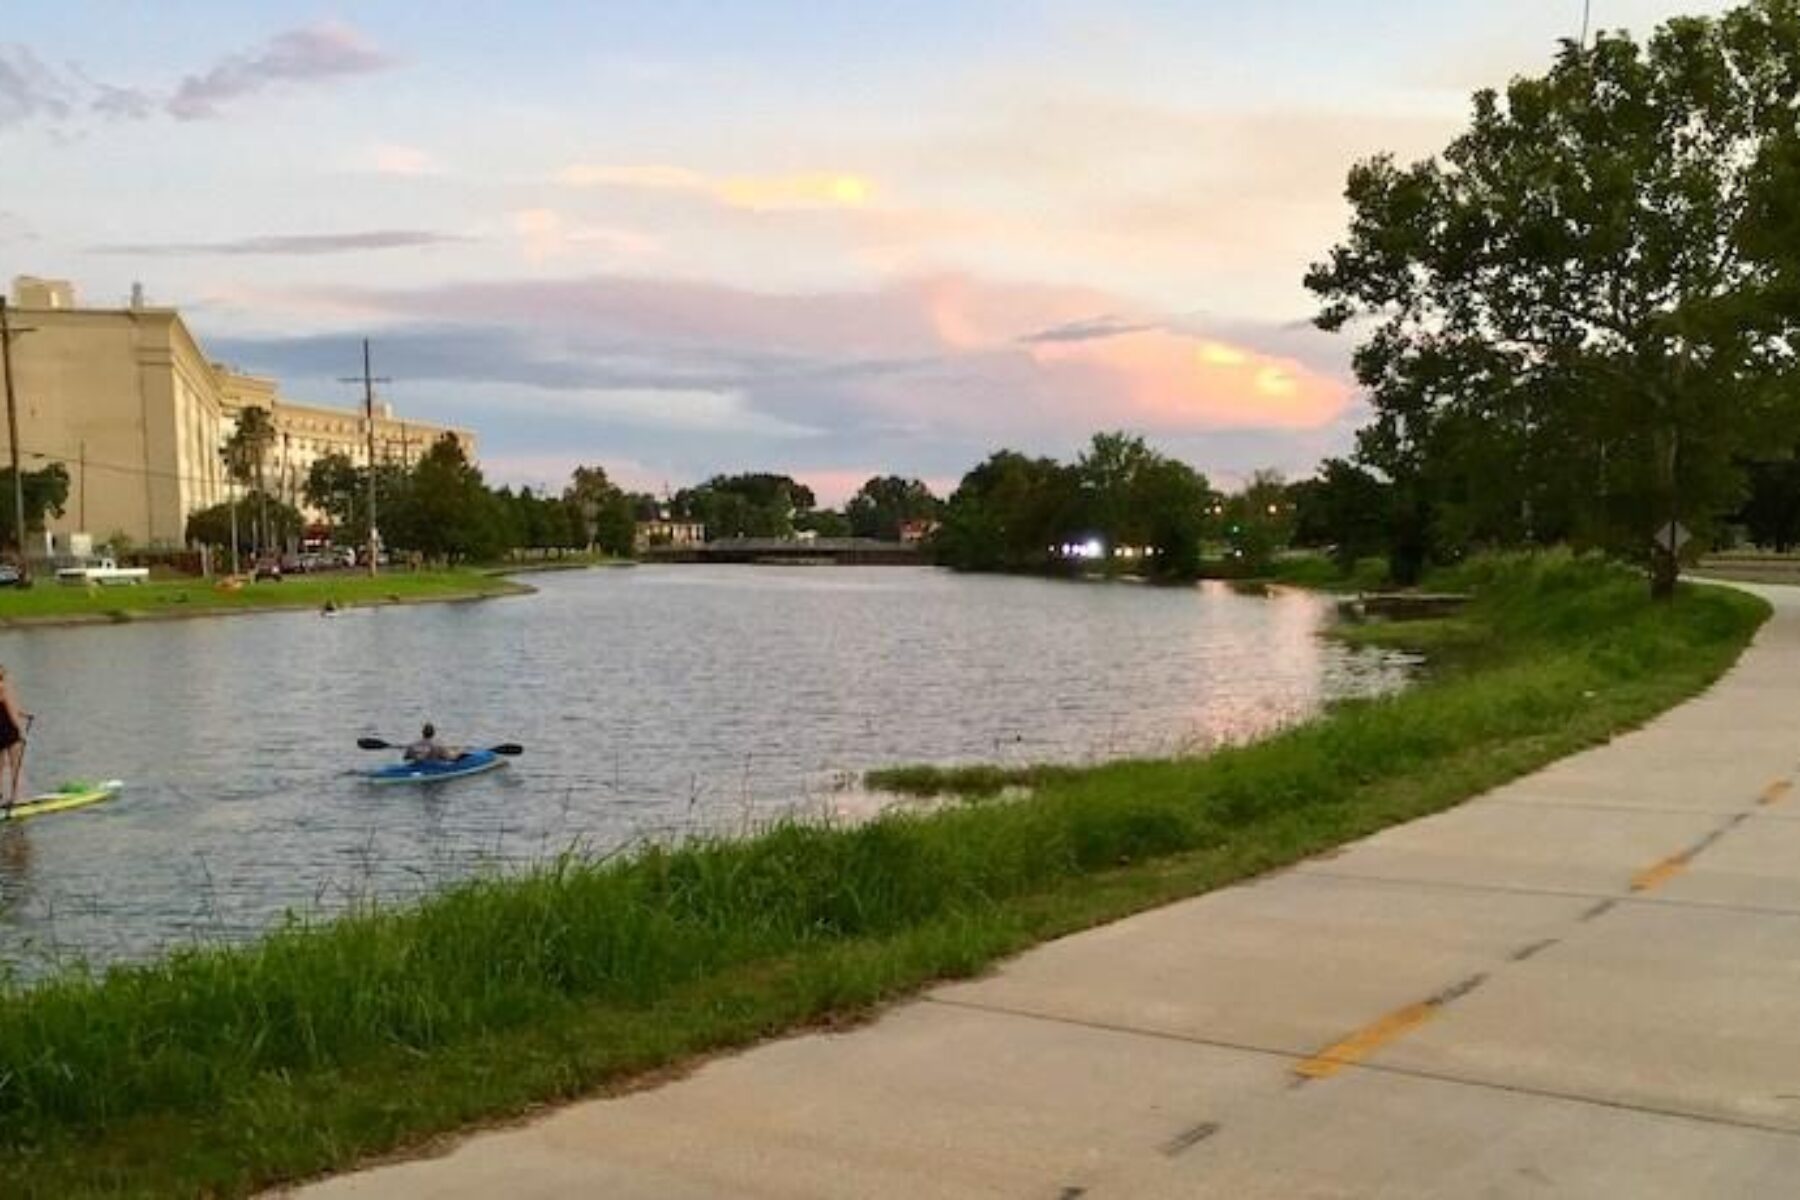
[825, 523]
[1344, 508]
[884, 502]
[336, 487]
[246, 454]
[1771, 511]
[1172, 498]
[1578, 311]
[1007, 512]
[1259, 520]
[340, 489]
[448, 512]
[603, 514]
[46, 492]
[215, 526]
[754, 505]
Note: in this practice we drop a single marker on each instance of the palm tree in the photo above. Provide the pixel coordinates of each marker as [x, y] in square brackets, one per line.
[246, 451]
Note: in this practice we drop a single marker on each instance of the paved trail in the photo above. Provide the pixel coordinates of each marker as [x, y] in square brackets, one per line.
[1586, 983]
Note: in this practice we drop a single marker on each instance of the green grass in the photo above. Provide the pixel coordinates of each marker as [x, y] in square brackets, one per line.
[222, 1071]
[50, 601]
[1326, 574]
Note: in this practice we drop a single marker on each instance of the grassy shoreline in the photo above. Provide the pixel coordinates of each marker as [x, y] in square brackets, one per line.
[54, 604]
[223, 1071]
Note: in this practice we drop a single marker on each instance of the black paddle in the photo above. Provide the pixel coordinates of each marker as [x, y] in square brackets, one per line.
[509, 749]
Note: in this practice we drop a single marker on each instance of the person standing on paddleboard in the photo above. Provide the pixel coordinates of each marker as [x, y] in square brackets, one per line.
[12, 740]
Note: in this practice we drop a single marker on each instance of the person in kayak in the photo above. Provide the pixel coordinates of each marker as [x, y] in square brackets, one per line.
[12, 742]
[429, 749]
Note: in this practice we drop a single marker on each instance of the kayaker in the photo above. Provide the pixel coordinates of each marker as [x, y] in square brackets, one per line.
[428, 749]
[12, 741]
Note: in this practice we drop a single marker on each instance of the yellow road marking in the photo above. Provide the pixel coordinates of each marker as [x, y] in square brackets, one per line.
[1659, 874]
[1775, 791]
[1365, 1041]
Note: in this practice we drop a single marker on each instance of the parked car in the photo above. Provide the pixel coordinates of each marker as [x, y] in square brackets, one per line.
[269, 569]
[9, 575]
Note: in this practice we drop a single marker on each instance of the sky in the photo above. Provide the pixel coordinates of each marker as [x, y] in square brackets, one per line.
[685, 237]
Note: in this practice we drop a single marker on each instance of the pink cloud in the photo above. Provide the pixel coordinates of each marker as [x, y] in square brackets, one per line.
[918, 357]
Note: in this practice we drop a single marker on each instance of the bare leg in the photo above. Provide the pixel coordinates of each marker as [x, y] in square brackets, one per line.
[15, 761]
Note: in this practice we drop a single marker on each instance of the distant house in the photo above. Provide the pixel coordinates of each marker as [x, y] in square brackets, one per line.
[916, 529]
[664, 532]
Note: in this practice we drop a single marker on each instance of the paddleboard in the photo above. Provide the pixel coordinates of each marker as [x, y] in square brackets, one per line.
[70, 795]
[473, 763]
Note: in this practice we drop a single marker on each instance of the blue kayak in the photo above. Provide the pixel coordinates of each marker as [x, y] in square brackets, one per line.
[474, 762]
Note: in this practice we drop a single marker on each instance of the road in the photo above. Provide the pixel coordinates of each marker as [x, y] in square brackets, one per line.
[1585, 983]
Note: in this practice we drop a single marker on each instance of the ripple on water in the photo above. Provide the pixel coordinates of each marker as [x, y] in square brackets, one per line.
[653, 703]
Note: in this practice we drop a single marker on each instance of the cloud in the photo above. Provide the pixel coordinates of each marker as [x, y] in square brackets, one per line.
[121, 103]
[306, 244]
[799, 191]
[925, 376]
[914, 362]
[546, 234]
[298, 56]
[33, 90]
[29, 89]
[405, 161]
[1087, 329]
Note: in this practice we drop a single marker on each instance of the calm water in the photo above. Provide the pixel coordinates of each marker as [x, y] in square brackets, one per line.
[651, 701]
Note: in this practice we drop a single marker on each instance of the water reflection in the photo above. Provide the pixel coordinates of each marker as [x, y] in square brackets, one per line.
[651, 702]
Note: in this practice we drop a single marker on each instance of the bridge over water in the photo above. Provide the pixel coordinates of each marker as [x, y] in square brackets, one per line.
[820, 551]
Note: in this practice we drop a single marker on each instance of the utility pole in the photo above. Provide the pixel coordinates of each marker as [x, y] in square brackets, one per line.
[1587, 12]
[12, 429]
[369, 381]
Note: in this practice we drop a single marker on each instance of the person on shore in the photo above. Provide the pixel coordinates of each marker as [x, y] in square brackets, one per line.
[12, 742]
[428, 748]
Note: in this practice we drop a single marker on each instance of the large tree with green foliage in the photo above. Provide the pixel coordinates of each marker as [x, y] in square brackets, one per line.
[340, 489]
[448, 512]
[604, 514]
[46, 492]
[1133, 496]
[882, 504]
[1344, 508]
[1006, 512]
[214, 526]
[752, 505]
[1578, 312]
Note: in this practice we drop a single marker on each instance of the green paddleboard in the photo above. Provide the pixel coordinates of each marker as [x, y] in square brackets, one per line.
[68, 796]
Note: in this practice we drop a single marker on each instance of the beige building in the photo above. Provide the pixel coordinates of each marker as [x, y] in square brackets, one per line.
[663, 532]
[129, 403]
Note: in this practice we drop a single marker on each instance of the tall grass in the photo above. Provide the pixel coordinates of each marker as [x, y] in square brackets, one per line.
[225, 1069]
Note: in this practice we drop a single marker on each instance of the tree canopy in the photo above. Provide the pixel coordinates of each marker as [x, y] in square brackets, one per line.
[1015, 513]
[1580, 316]
[758, 505]
[46, 491]
[882, 504]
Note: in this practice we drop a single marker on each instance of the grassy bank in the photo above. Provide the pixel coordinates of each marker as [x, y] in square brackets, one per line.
[49, 602]
[220, 1071]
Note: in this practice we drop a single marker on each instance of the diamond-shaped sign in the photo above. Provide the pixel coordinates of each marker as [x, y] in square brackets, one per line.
[1673, 536]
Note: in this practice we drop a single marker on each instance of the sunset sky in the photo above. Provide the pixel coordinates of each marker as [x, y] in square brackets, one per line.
[679, 238]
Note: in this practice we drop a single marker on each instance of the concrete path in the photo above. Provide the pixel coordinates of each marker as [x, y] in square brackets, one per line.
[1586, 983]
